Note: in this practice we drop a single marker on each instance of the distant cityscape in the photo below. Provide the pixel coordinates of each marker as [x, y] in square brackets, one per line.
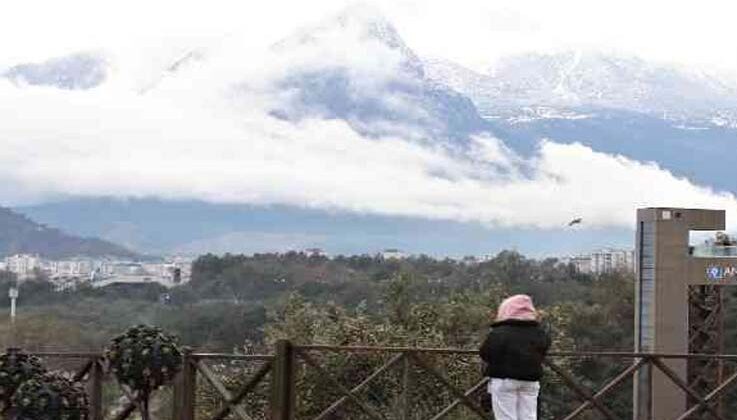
[99, 272]
[177, 270]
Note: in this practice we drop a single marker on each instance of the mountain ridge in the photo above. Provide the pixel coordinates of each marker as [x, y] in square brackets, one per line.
[198, 227]
[21, 235]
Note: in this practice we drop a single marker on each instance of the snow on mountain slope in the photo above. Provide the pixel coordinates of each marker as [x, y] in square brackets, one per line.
[576, 80]
[681, 119]
[356, 67]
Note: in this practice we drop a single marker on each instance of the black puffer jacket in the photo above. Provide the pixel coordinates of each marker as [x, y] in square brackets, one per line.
[515, 349]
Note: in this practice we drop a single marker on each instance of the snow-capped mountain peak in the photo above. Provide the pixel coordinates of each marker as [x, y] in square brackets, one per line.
[372, 23]
[357, 29]
[364, 20]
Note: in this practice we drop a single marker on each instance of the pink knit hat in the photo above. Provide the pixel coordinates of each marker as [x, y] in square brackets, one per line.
[517, 307]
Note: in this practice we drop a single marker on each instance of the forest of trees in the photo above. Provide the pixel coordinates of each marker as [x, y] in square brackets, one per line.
[234, 301]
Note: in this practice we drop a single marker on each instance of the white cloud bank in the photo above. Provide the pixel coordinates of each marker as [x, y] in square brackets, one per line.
[84, 144]
[204, 134]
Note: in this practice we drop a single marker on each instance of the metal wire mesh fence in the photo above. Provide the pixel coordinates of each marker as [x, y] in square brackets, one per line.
[380, 383]
[429, 384]
[231, 386]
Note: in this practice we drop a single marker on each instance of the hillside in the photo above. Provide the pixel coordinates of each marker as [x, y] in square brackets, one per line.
[19, 234]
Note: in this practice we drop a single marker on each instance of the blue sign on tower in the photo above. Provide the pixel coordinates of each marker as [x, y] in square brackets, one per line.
[715, 273]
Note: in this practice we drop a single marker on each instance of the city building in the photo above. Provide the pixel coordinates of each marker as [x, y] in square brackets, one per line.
[392, 253]
[23, 265]
[605, 260]
[315, 252]
[69, 273]
[74, 268]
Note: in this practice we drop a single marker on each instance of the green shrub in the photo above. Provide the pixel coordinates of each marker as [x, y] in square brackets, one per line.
[144, 358]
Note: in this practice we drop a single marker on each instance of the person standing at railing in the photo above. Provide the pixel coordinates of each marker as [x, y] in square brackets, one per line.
[514, 351]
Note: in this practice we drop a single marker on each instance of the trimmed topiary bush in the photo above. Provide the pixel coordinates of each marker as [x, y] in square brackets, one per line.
[144, 358]
[17, 367]
[50, 397]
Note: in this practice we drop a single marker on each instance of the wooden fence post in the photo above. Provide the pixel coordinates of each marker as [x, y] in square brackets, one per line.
[649, 414]
[185, 388]
[406, 386]
[283, 396]
[96, 378]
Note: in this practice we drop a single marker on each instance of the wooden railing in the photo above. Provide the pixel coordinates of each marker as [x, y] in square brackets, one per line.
[592, 400]
[282, 381]
[89, 368]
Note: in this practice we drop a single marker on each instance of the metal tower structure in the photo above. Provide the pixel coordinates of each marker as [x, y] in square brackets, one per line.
[705, 336]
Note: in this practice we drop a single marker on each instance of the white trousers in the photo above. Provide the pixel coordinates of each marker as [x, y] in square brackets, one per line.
[514, 400]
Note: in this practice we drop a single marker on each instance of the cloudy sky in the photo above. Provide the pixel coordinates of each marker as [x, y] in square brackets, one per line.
[183, 137]
[472, 32]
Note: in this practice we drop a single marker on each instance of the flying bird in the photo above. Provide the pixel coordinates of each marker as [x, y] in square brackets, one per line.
[575, 221]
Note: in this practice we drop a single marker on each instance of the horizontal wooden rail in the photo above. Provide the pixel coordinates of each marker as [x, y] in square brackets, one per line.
[380, 349]
[233, 357]
[470, 352]
[389, 349]
[66, 355]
